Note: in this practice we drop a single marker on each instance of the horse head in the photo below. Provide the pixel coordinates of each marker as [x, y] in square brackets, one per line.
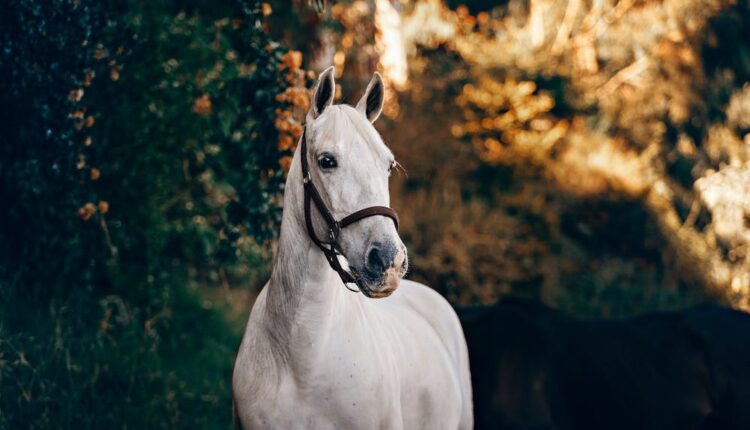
[350, 165]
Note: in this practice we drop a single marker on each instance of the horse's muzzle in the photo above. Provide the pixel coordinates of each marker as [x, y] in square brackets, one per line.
[383, 271]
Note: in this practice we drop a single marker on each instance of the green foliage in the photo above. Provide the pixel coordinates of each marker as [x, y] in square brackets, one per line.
[195, 118]
[44, 56]
[139, 153]
[89, 364]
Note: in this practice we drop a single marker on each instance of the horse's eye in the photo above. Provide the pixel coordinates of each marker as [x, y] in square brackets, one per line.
[327, 161]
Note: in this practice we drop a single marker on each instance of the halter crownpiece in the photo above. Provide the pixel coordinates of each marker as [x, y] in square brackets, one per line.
[332, 248]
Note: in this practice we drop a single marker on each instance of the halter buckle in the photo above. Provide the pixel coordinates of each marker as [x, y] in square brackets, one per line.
[333, 232]
[306, 178]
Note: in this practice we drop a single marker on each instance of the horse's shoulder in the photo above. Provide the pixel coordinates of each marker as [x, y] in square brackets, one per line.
[424, 298]
[415, 288]
[255, 368]
[430, 306]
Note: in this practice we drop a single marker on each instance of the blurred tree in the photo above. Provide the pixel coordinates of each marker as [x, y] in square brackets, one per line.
[597, 128]
[638, 119]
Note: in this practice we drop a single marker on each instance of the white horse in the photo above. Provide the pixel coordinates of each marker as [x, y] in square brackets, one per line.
[315, 355]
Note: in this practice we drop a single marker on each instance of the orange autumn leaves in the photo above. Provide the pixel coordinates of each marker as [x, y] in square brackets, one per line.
[81, 122]
[88, 210]
[295, 102]
[202, 105]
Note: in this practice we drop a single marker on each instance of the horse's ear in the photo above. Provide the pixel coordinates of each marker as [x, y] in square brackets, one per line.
[323, 93]
[371, 103]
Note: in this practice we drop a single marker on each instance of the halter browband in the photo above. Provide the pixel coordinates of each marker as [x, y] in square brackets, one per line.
[332, 248]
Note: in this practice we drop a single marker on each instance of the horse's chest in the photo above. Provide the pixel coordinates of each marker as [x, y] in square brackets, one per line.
[353, 379]
[347, 399]
[362, 376]
[383, 385]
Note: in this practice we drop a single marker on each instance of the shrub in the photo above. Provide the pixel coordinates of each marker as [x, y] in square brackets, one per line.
[140, 152]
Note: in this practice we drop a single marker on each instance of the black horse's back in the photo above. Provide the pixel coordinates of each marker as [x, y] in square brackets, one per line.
[509, 369]
[534, 368]
[726, 333]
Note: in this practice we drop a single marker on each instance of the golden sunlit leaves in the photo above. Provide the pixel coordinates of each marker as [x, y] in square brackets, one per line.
[633, 83]
[508, 121]
[738, 111]
[727, 195]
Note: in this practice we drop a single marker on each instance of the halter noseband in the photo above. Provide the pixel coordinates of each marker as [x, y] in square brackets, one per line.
[332, 248]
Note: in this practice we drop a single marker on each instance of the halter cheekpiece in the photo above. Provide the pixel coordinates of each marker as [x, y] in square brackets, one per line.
[332, 248]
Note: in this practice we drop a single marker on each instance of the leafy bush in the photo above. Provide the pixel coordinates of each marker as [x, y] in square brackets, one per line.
[141, 151]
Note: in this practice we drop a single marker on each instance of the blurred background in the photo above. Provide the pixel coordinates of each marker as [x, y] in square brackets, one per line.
[591, 154]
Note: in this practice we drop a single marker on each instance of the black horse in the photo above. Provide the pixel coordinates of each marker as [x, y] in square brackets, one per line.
[535, 368]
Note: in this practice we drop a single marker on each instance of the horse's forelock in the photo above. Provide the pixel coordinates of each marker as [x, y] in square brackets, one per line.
[368, 132]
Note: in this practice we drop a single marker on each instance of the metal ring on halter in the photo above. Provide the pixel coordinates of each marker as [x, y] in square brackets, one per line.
[333, 233]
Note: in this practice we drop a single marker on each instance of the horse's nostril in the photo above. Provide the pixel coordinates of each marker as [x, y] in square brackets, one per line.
[378, 259]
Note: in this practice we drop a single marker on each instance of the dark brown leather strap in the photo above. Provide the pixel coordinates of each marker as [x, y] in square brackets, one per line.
[368, 212]
[331, 248]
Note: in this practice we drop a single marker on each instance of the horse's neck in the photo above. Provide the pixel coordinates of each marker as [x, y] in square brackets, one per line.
[305, 296]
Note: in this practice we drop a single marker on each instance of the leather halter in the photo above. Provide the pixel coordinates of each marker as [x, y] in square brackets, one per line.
[332, 248]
